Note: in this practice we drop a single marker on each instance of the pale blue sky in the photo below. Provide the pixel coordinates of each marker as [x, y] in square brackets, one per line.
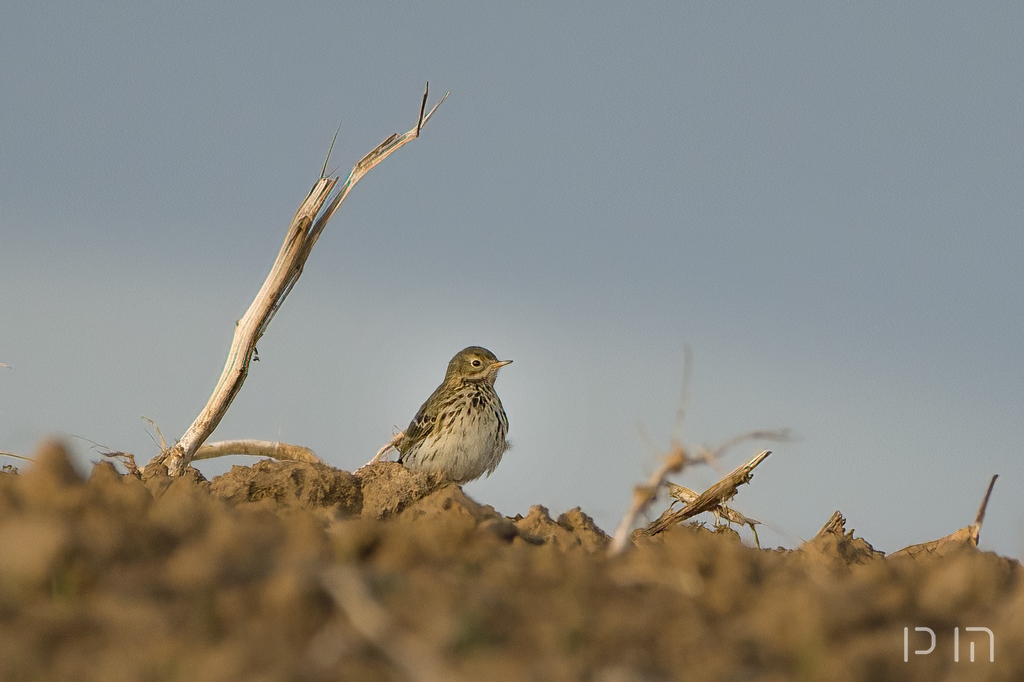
[826, 201]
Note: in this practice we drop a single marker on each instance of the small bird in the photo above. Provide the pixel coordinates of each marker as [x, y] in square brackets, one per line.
[460, 431]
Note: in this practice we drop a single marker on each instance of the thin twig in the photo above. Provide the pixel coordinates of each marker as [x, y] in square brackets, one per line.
[323, 171]
[393, 443]
[643, 495]
[775, 436]
[684, 394]
[127, 460]
[162, 443]
[976, 527]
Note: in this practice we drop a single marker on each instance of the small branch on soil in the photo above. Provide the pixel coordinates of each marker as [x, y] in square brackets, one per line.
[258, 448]
[965, 537]
[643, 495]
[835, 524]
[713, 497]
[371, 620]
[688, 497]
[283, 452]
[976, 528]
[308, 223]
[127, 460]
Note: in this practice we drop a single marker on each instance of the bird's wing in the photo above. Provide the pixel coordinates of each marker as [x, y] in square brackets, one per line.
[421, 424]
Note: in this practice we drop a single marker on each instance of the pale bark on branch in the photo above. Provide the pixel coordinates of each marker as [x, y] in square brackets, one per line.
[308, 223]
[712, 498]
[965, 537]
[282, 452]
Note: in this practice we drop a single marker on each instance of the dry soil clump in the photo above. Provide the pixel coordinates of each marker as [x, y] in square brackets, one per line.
[286, 571]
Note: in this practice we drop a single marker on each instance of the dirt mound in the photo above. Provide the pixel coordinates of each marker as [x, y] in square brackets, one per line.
[287, 571]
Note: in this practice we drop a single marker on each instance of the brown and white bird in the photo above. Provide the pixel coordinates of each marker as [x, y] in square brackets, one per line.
[459, 432]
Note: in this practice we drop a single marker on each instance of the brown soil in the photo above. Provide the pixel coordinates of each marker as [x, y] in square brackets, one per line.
[286, 571]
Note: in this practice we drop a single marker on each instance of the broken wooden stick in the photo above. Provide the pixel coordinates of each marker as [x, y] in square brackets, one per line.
[713, 497]
[15, 456]
[836, 524]
[283, 452]
[730, 515]
[308, 223]
[965, 537]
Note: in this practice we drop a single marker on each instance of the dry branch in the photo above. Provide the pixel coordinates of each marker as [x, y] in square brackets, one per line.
[127, 460]
[680, 457]
[965, 537]
[308, 223]
[258, 448]
[643, 495]
[688, 497]
[713, 497]
[835, 524]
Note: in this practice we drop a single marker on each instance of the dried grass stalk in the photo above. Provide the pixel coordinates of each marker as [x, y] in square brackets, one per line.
[643, 495]
[715, 496]
[308, 223]
[687, 497]
[965, 537]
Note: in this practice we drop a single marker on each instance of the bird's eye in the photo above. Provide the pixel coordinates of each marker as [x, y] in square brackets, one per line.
[476, 363]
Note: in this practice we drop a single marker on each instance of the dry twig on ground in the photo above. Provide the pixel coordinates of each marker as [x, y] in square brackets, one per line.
[835, 524]
[965, 537]
[679, 458]
[127, 460]
[643, 495]
[713, 497]
[688, 497]
[308, 223]
[283, 452]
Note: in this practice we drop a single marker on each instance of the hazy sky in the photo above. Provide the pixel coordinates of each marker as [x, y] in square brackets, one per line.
[826, 201]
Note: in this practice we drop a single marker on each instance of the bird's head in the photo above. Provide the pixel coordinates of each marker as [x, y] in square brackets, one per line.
[474, 364]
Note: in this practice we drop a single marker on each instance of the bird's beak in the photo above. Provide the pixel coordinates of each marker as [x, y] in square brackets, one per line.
[500, 363]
